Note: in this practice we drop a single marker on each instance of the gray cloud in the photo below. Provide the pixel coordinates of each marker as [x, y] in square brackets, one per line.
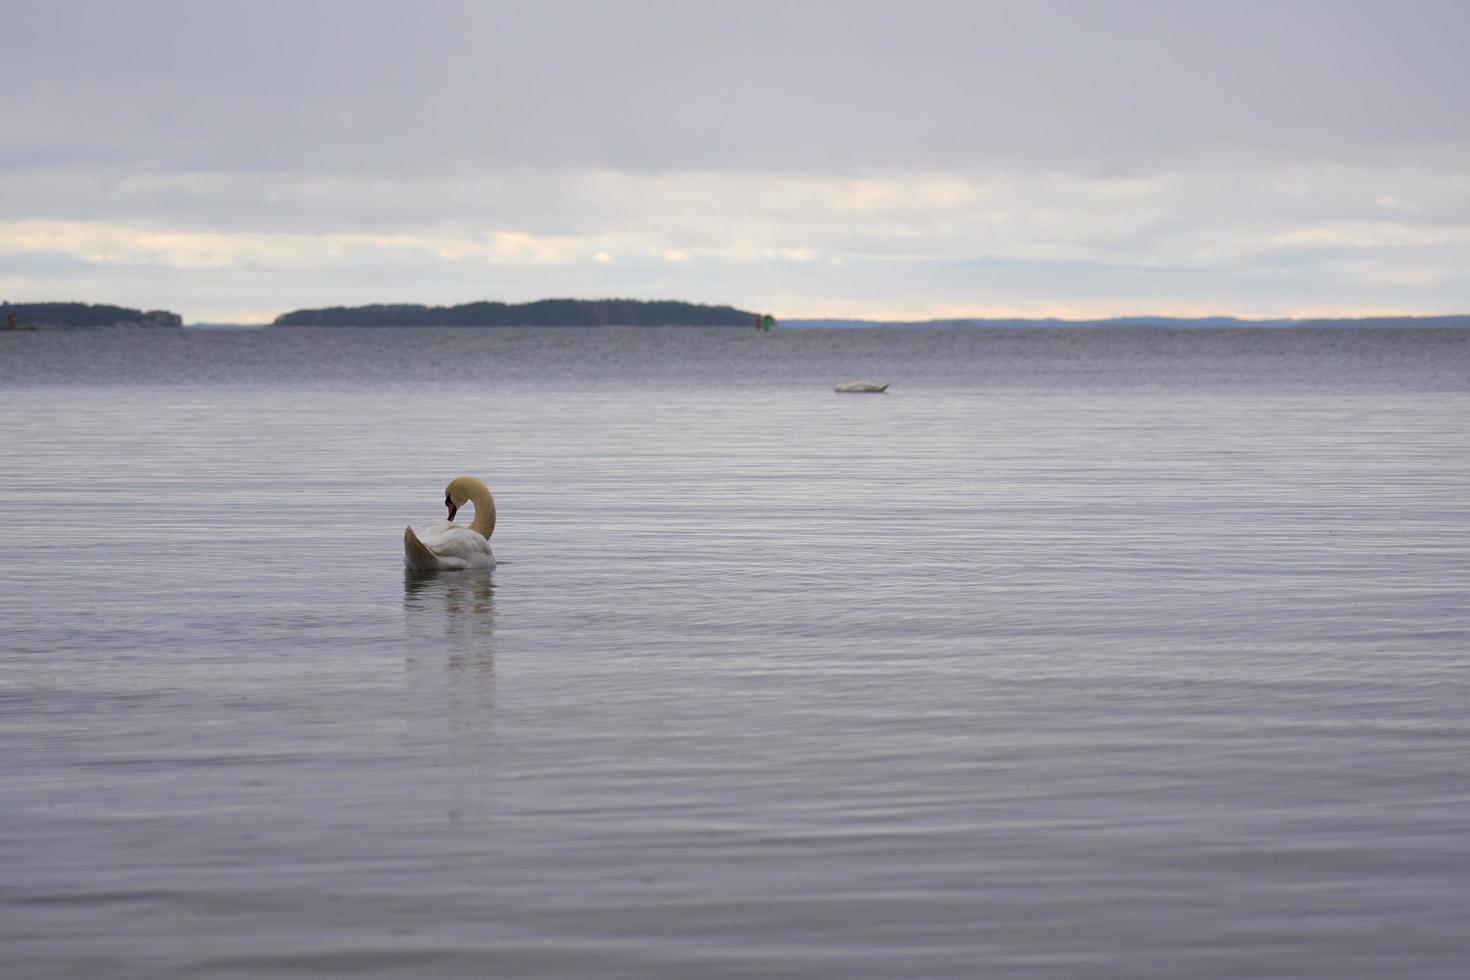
[375, 86]
[811, 157]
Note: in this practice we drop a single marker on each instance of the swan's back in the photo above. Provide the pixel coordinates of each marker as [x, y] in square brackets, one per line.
[445, 546]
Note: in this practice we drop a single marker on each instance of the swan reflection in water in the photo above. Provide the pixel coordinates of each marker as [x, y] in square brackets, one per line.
[451, 614]
[449, 676]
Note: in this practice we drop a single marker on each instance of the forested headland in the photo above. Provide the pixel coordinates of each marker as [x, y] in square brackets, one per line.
[542, 313]
[61, 315]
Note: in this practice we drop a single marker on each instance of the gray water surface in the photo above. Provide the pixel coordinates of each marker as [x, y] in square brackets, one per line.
[1113, 653]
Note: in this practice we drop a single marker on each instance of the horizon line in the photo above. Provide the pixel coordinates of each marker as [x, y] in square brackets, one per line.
[1143, 319]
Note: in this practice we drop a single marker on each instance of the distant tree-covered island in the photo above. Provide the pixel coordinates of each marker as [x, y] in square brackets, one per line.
[23, 316]
[542, 313]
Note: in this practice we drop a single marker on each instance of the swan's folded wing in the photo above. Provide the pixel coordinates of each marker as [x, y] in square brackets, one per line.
[415, 553]
[442, 544]
[435, 534]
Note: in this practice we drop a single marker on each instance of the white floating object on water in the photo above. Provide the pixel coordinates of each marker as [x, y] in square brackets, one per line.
[862, 388]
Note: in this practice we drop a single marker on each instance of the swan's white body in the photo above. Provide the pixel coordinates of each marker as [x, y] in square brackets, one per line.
[447, 546]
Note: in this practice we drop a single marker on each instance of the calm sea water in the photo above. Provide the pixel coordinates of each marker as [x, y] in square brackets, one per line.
[1121, 653]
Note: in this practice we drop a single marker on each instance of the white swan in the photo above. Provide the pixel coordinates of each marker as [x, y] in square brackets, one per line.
[448, 546]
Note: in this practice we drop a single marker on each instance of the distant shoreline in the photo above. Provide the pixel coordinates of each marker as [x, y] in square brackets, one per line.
[541, 313]
[1179, 323]
[569, 313]
[82, 316]
[1120, 323]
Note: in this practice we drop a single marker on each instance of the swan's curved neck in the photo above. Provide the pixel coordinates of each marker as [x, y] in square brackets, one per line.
[467, 489]
[484, 522]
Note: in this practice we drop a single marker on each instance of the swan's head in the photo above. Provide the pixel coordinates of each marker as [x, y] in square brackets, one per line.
[460, 490]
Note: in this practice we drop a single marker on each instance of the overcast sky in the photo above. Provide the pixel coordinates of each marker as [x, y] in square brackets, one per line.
[234, 160]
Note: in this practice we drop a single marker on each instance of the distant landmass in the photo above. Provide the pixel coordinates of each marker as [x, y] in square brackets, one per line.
[1146, 321]
[636, 313]
[542, 313]
[24, 316]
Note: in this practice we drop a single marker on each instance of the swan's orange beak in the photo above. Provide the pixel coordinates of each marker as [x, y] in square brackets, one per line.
[450, 504]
